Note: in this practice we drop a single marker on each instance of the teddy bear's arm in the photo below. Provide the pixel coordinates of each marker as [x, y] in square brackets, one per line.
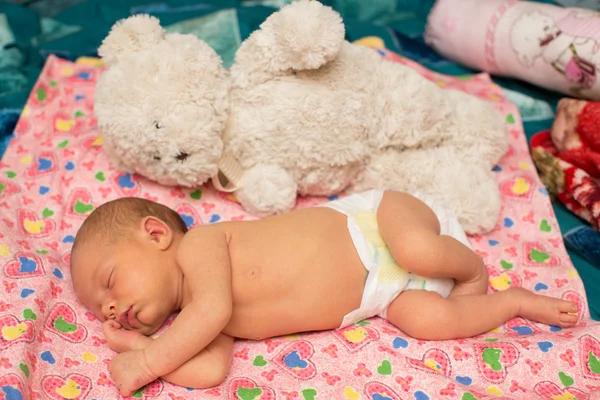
[301, 36]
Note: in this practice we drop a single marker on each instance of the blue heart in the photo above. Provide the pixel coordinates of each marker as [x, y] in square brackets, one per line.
[293, 360]
[70, 166]
[554, 328]
[68, 239]
[57, 273]
[44, 164]
[421, 396]
[190, 389]
[79, 97]
[333, 197]
[26, 292]
[545, 346]
[48, 357]
[188, 219]
[44, 190]
[378, 396]
[214, 218]
[543, 191]
[27, 265]
[540, 286]
[497, 168]
[522, 330]
[508, 222]
[493, 242]
[464, 380]
[10, 393]
[399, 342]
[84, 75]
[126, 182]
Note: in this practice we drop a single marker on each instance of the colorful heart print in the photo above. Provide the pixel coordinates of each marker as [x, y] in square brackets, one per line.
[42, 94]
[550, 391]
[502, 280]
[11, 387]
[62, 321]
[520, 188]
[24, 265]
[63, 123]
[578, 300]
[434, 360]
[7, 188]
[537, 255]
[126, 184]
[93, 143]
[14, 331]
[152, 389]
[189, 215]
[33, 226]
[521, 327]
[85, 76]
[295, 359]
[493, 359]
[80, 203]
[43, 164]
[379, 391]
[355, 337]
[247, 389]
[589, 348]
[72, 386]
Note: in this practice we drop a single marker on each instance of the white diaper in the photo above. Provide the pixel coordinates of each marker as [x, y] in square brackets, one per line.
[386, 279]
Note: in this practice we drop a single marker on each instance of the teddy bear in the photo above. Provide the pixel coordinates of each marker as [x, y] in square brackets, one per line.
[300, 112]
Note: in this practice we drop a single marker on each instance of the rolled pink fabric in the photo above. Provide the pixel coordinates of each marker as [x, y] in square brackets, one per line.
[550, 46]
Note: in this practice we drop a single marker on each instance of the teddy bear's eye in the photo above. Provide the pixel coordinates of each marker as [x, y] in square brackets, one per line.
[158, 125]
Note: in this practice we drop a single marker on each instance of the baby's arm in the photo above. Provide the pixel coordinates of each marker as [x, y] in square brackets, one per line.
[203, 257]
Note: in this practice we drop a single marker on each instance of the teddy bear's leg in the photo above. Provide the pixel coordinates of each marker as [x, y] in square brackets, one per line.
[303, 35]
[469, 190]
[267, 190]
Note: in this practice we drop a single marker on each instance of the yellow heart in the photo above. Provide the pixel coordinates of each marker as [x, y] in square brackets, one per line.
[67, 71]
[524, 165]
[25, 112]
[495, 330]
[441, 83]
[4, 251]
[494, 97]
[292, 337]
[351, 394]
[91, 61]
[89, 357]
[64, 125]
[495, 391]
[98, 141]
[26, 159]
[572, 273]
[33, 227]
[371, 41]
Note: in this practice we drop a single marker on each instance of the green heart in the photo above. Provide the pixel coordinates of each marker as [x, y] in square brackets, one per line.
[464, 77]
[29, 314]
[249, 394]
[363, 323]
[138, 393]
[63, 144]
[491, 357]
[47, 213]
[196, 194]
[506, 264]
[11, 174]
[41, 94]
[63, 326]
[100, 176]
[468, 396]
[2, 187]
[25, 369]
[510, 119]
[545, 226]
[259, 361]
[79, 114]
[565, 379]
[309, 394]
[82, 208]
[538, 256]
[42, 251]
[385, 368]
[53, 83]
[491, 340]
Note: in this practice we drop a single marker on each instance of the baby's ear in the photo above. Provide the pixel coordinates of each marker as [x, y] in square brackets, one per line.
[131, 35]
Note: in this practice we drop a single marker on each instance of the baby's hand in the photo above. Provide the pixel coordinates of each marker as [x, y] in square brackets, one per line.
[120, 339]
[130, 371]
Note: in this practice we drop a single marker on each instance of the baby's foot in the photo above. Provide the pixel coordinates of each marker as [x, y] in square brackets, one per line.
[547, 310]
[120, 339]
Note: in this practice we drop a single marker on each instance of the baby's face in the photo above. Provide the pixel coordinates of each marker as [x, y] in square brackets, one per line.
[131, 282]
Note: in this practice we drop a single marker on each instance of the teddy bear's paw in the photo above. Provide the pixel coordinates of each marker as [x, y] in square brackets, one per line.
[267, 190]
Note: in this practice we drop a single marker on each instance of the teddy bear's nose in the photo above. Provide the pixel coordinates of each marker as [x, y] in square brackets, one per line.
[182, 156]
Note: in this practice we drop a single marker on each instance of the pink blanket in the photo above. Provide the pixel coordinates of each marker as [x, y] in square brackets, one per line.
[55, 173]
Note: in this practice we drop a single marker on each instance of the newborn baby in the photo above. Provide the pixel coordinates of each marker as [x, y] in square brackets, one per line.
[387, 254]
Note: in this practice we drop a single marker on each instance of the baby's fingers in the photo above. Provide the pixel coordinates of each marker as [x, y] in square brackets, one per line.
[110, 324]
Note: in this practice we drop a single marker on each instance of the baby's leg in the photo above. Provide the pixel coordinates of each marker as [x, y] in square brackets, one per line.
[427, 316]
[411, 231]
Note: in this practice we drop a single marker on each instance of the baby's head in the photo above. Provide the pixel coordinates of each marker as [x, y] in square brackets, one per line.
[123, 263]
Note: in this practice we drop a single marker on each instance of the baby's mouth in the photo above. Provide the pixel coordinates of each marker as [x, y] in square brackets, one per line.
[128, 319]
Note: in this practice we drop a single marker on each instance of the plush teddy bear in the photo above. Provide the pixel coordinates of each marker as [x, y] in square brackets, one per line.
[301, 111]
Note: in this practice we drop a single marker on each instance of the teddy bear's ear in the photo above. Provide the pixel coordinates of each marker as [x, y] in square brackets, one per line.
[131, 35]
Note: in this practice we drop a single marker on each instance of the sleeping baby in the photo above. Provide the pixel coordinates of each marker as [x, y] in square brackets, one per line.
[389, 254]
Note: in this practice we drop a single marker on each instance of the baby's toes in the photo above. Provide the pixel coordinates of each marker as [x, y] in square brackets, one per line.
[567, 307]
[567, 320]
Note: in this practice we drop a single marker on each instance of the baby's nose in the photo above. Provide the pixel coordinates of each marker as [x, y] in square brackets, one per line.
[109, 311]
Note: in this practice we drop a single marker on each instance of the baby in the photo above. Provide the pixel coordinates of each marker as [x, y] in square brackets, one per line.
[387, 254]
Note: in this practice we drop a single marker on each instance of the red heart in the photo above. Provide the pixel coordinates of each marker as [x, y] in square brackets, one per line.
[73, 386]
[589, 348]
[494, 358]
[62, 321]
[536, 255]
[7, 188]
[45, 163]
[549, 391]
[501, 280]
[245, 383]
[191, 216]
[152, 389]
[513, 325]
[126, 184]
[80, 203]
[93, 143]
[355, 337]
[14, 331]
[373, 388]
[16, 269]
[520, 188]
[295, 359]
[32, 226]
[434, 360]
[14, 382]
